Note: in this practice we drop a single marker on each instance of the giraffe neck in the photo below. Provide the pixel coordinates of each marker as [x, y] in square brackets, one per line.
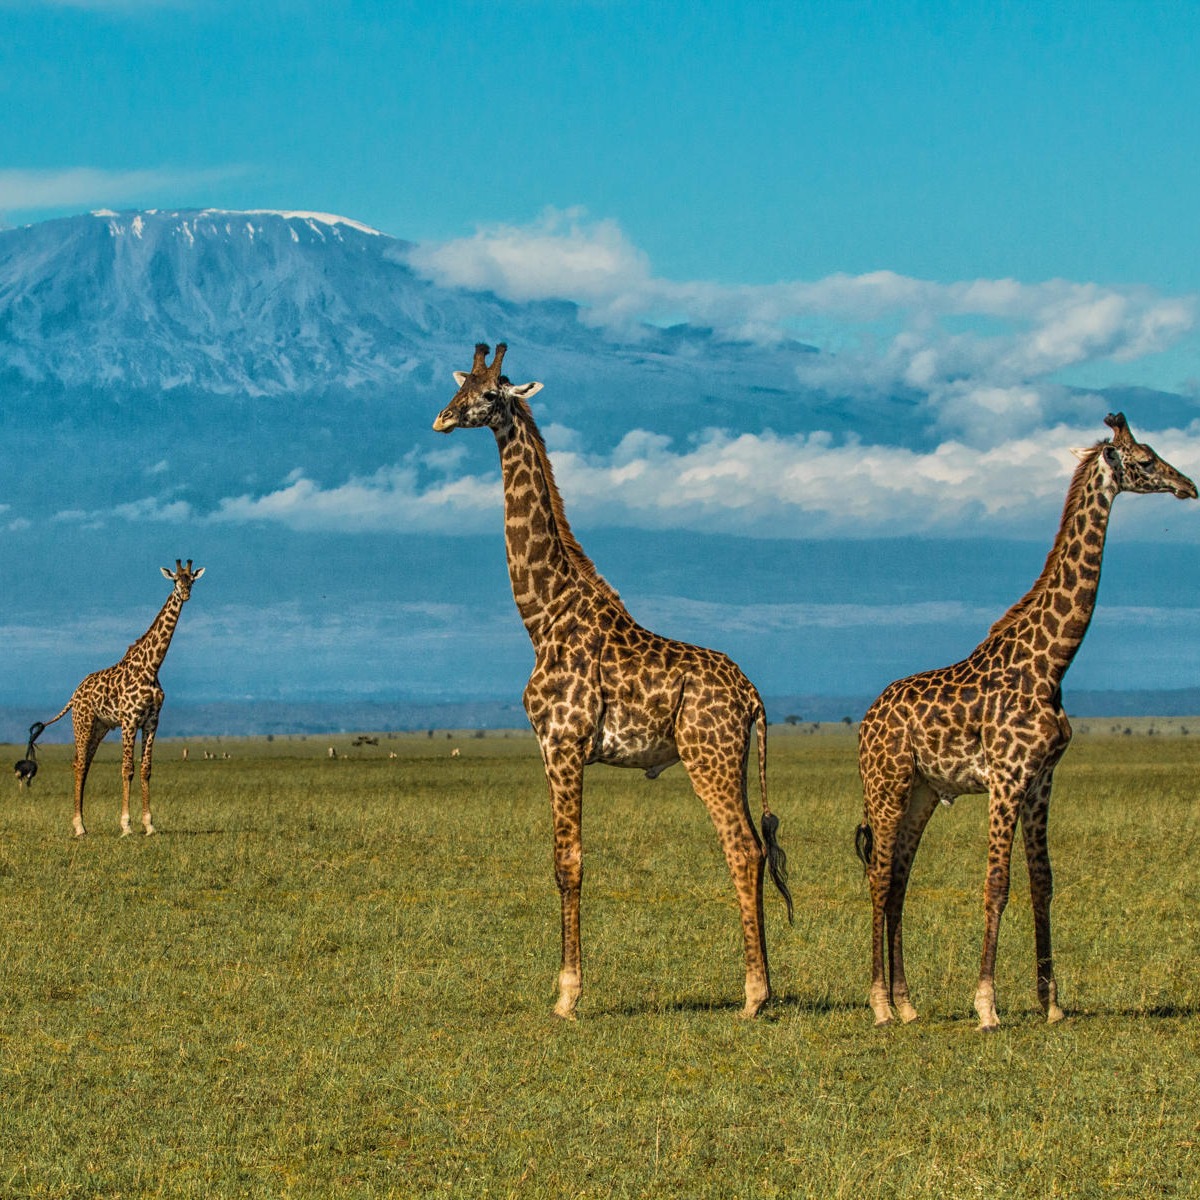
[147, 653]
[1047, 625]
[546, 565]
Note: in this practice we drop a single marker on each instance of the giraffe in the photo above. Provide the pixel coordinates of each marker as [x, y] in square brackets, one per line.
[128, 695]
[603, 689]
[994, 723]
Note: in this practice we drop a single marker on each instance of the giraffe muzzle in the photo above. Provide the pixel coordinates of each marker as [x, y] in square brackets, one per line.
[444, 423]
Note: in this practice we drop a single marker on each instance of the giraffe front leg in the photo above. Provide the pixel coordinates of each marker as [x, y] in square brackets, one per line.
[1041, 891]
[564, 774]
[147, 752]
[1003, 822]
[128, 745]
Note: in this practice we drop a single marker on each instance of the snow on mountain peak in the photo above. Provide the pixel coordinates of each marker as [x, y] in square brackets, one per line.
[295, 215]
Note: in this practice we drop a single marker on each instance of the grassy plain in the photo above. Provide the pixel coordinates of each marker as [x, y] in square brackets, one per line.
[333, 978]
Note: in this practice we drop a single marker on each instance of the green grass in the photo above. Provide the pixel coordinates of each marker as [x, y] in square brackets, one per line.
[333, 978]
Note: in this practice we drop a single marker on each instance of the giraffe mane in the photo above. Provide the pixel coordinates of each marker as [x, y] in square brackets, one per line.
[1074, 496]
[575, 552]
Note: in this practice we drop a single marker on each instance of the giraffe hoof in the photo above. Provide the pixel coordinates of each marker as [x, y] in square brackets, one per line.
[883, 1022]
[908, 1014]
[569, 1015]
[125, 831]
[990, 1028]
[1054, 1015]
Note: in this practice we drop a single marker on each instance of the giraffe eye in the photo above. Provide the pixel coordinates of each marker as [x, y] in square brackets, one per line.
[491, 396]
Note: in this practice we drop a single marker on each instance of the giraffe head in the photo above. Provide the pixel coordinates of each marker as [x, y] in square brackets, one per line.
[183, 577]
[484, 396]
[1136, 468]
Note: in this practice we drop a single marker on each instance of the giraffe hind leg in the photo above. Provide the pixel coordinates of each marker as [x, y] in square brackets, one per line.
[1041, 891]
[921, 805]
[720, 782]
[89, 733]
[885, 802]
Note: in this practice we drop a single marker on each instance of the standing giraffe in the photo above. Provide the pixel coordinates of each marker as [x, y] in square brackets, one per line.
[994, 723]
[127, 694]
[604, 689]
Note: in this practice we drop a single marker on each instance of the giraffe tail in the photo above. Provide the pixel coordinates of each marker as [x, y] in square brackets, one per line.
[39, 727]
[776, 858]
[864, 844]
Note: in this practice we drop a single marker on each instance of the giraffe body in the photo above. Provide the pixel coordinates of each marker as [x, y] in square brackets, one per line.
[993, 723]
[605, 690]
[127, 696]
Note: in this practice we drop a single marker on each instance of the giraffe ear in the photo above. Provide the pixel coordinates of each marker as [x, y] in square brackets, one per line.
[1079, 452]
[167, 574]
[198, 574]
[525, 390]
[461, 377]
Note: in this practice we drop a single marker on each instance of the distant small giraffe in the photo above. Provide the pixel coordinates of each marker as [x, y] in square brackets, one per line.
[128, 695]
[604, 689]
[994, 723]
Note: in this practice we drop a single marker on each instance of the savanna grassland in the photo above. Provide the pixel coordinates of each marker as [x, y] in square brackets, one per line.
[333, 978]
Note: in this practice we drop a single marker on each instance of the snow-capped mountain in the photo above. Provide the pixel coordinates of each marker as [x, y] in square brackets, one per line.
[253, 303]
[311, 339]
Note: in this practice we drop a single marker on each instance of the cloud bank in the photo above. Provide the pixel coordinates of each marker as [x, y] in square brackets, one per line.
[986, 354]
[750, 484]
[981, 362]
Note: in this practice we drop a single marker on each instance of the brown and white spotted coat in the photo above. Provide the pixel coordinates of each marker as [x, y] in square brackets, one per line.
[994, 723]
[605, 690]
[127, 695]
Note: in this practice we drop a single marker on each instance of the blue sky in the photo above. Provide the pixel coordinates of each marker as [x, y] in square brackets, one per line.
[736, 144]
[743, 143]
[973, 203]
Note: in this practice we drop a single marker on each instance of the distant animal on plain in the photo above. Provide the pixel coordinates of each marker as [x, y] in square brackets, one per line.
[128, 696]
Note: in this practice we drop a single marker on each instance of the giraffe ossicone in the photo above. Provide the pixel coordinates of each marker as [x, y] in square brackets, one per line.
[605, 690]
[993, 723]
[128, 696]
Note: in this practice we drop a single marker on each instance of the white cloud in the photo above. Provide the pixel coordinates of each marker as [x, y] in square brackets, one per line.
[988, 353]
[762, 485]
[34, 190]
[558, 256]
[388, 499]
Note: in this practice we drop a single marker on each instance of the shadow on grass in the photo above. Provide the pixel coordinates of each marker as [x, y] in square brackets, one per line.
[789, 1001]
[1160, 1012]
